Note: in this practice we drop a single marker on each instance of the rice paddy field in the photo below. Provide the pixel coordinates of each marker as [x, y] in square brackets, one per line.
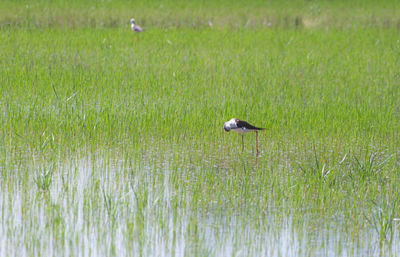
[111, 142]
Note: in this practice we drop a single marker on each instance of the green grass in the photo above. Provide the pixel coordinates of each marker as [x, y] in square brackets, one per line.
[199, 14]
[112, 142]
[102, 86]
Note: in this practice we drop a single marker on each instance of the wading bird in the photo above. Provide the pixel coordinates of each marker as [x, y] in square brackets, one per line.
[241, 127]
[135, 27]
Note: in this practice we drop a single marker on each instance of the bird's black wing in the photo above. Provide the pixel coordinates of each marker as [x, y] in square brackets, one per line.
[244, 124]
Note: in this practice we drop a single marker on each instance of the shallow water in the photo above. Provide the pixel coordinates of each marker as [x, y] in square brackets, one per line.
[166, 204]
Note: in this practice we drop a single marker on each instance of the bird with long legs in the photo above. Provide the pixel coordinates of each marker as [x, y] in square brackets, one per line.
[242, 127]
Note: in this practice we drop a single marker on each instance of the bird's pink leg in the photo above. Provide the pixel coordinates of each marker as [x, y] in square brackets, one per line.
[257, 142]
[242, 143]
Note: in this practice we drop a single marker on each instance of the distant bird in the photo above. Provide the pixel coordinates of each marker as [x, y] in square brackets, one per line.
[242, 127]
[135, 27]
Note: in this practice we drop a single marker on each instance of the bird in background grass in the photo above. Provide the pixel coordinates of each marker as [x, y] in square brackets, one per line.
[134, 27]
[242, 127]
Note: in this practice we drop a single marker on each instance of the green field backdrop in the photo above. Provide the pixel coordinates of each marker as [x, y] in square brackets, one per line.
[112, 143]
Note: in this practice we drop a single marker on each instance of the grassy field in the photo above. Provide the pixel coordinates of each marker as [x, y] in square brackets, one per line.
[234, 14]
[112, 143]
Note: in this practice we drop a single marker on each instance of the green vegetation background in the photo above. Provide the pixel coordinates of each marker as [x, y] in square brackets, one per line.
[321, 76]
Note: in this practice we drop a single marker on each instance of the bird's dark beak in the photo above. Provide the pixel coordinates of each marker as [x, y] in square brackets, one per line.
[226, 128]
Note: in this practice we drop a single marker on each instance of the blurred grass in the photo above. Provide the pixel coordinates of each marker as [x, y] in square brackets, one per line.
[199, 14]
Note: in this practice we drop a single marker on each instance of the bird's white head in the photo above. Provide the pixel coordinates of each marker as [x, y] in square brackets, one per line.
[230, 124]
[133, 21]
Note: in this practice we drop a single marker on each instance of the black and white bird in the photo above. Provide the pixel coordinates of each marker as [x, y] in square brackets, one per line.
[134, 27]
[242, 127]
